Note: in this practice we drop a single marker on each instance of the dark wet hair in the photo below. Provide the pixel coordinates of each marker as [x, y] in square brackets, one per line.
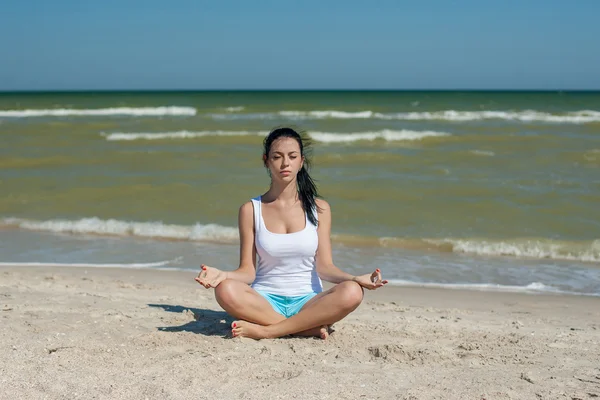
[307, 189]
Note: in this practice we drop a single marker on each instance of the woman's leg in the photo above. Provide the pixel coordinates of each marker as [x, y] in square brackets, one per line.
[324, 309]
[242, 302]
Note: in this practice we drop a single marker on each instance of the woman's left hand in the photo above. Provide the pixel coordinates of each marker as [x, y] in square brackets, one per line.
[370, 281]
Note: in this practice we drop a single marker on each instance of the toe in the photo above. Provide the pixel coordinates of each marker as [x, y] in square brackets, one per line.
[324, 332]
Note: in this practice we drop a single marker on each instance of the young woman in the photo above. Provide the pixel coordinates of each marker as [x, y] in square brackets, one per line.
[289, 228]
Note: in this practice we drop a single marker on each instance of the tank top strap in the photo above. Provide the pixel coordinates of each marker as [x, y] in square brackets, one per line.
[257, 205]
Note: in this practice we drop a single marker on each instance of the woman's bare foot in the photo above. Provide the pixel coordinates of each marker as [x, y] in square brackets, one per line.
[248, 329]
[324, 332]
[254, 331]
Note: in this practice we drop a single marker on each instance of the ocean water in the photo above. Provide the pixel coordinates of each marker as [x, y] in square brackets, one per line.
[481, 190]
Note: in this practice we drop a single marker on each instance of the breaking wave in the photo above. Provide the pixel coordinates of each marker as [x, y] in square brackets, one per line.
[324, 137]
[112, 227]
[92, 265]
[128, 111]
[538, 248]
[534, 287]
[574, 117]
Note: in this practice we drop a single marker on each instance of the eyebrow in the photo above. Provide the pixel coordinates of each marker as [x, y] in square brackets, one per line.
[281, 152]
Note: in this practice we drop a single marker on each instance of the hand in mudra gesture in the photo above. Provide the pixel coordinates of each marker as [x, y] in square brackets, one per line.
[370, 281]
[210, 277]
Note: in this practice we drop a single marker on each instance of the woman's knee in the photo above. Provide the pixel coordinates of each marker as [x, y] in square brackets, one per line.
[226, 293]
[352, 294]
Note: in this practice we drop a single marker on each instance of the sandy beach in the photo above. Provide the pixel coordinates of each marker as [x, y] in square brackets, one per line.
[101, 333]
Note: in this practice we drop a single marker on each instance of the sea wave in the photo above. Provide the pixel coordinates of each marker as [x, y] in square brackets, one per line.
[92, 265]
[574, 117]
[577, 117]
[485, 153]
[130, 111]
[538, 248]
[386, 134]
[587, 251]
[534, 287]
[116, 136]
[329, 114]
[113, 227]
[324, 137]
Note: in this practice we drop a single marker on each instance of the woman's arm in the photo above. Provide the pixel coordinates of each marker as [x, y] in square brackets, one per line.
[325, 266]
[246, 271]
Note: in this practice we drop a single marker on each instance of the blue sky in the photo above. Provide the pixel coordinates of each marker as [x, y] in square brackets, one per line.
[380, 44]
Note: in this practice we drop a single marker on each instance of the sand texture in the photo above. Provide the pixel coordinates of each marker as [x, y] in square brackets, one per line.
[95, 333]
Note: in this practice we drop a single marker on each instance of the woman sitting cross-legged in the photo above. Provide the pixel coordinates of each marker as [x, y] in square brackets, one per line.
[285, 252]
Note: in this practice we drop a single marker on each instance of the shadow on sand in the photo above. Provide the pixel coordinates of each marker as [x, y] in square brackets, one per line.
[206, 322]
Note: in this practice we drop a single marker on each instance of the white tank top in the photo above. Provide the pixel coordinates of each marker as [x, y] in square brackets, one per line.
[286, 261]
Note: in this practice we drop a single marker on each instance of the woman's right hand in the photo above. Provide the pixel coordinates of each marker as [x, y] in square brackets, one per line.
[210, 277]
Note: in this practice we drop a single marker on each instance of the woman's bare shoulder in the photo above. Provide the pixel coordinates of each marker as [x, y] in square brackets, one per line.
[247, 207]
[246, 212]
[322, 206]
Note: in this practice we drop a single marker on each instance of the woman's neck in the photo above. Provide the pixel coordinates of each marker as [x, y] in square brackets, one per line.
[284, 193]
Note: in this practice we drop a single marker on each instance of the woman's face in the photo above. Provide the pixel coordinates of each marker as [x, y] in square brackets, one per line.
[284, 159]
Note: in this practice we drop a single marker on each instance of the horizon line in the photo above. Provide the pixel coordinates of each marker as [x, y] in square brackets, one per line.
[159, 90]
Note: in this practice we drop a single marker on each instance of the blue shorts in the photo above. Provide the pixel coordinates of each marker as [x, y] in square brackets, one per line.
[287, 305]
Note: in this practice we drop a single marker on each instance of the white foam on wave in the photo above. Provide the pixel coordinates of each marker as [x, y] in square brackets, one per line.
[327, 114]
[574, 117]
[175, 135]
[324, 137]
[535, 248]
[130, 111]
[534, 287]
[112, 227]
[247, 116]
[483, 153]
[235, 109]
[388, 135]
[91, 265]
[577, 117]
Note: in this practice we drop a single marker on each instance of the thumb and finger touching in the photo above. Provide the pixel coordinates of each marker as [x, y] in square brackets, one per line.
[203, 277]
[377, 280]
